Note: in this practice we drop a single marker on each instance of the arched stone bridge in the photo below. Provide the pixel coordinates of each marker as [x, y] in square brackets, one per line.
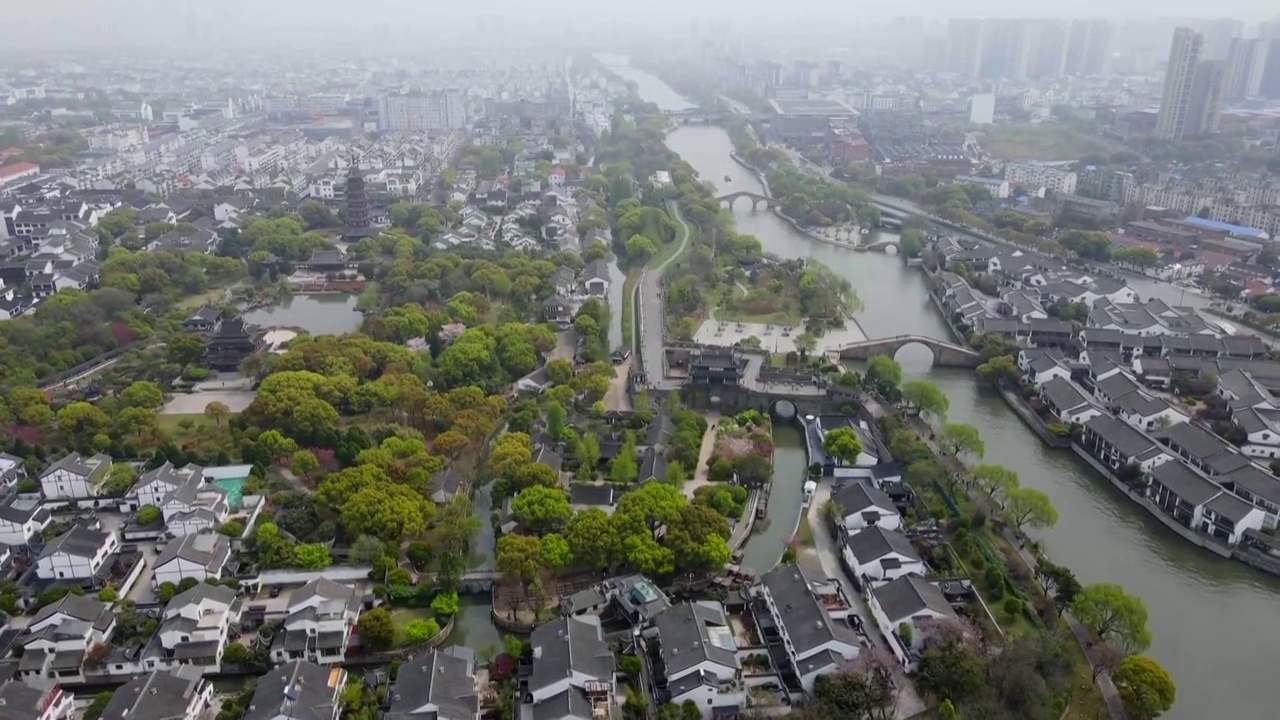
[756, 199]
[945, 354]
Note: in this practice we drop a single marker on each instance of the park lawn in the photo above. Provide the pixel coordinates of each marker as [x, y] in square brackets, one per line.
[1043, 141]
[1086, 700]
[779, 317]
[202, 432]
[401, 617]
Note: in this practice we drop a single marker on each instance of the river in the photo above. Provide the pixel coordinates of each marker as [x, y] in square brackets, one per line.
[1209, 616]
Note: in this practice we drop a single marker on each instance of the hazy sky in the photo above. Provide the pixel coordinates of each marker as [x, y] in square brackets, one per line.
[47, 12]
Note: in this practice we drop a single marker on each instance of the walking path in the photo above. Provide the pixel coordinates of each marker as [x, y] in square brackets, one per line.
[704, 454]
[909, 702]
[649, 322]
[1109, 694]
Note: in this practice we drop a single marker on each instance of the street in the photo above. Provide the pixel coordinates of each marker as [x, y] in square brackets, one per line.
[909, 702]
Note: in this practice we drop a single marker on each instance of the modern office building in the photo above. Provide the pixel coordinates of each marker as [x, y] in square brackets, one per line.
[1180, 71]
[1089, 47]
[982, 109]
[964, 47]
[1206, 97]
[438, 111]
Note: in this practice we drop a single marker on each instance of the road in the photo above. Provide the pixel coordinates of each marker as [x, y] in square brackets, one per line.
[909, 702]
[617, 397]
[650, 321]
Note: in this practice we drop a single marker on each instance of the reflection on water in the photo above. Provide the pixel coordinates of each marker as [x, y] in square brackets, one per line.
[317, 314]
[764, 548]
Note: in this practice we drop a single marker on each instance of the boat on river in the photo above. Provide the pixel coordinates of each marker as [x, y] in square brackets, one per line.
[728, 179]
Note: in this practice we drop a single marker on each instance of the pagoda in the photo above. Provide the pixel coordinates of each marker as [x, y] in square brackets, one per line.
[358, 224]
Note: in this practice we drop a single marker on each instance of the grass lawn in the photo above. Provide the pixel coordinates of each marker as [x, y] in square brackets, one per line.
[781, 317]
[628, 287]
[401, 617]
[1043, 141]
[804, 532]
[202, 430]
[211, 297]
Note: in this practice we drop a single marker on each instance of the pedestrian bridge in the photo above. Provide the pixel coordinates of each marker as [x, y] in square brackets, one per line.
[945, 354]
[756, 199]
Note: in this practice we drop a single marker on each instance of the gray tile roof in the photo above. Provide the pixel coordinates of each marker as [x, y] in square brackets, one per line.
[200, 593]
[691, 633]
[568, 645]
[1063, 394]
[805, 619]
[1186, 483]
[94, 467]
[1253, 480]
[910, 595]
[209, 550]
[443, 679]
[19, 701]
[78, 541]
[160, 695]
[572, 704]
[1194, 440]
[1229, 506]
[855, 497]
[99, 614]
[1125, 439]
[874, 543]
[298, 690]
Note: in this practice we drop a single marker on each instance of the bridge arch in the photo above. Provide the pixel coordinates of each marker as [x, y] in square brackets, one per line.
[756, 200]
[941, 353]
[783, 410]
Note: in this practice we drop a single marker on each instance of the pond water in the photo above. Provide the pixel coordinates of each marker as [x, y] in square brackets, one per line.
[317, 314]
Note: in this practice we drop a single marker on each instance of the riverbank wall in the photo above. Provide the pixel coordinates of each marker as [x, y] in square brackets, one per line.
[1032, 419]
[1210, 544]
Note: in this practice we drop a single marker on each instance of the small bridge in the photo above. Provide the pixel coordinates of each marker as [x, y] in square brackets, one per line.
[756, 199]
[696, 115]
[945, 354]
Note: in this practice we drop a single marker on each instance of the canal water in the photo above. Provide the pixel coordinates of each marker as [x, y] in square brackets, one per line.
[317, 314]
[1213, 620]
[764, 547]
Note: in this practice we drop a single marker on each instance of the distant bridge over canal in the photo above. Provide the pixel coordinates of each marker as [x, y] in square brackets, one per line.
[756, 199]
[945, 354]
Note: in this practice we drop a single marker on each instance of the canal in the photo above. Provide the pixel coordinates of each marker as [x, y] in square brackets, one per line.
[1209, 616]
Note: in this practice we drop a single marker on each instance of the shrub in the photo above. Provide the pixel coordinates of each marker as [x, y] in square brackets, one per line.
[148, 514]
[445, 604]
[1012, 606]
[630, 665]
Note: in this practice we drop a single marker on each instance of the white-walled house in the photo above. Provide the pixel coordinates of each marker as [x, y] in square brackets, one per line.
[20, 701]
[908, 601]
[154, 485]
[22, 519]
[1041, 365]
[194, 628]
[11, 469]
[77, 554]
[1117, 445]
[573, 667]
[162, 695]
[75, 477]
[875, 555]
[700, 656]
[321, 618]
[863, 505]
[61, 634]
[1144, 412]
[200, 557]
[1262, 428]
[439, 684]
[1068, 402]
[285, 690]
[815, 643]
[1193, 500]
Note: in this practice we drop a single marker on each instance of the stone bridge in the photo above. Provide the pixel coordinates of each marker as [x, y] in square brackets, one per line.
[696, 115]
[473, 582]
[756, 199]
[945, 354]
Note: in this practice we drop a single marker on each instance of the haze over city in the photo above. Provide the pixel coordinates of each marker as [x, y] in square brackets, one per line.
[698, 360]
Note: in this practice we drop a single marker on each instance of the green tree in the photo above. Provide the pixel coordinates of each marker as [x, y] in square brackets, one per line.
[518, 557]
[120, 478]
[99, 704]
[555, 419]
[541, 509]
[1112, 615]
[1029, 507]
[1145, 687]
[313, 556]
[215, 411]
[994, 480]
[999, 369]
[445, 604]
[560, 371]
[303, 463]
[592, 537]
[588, 456]
[649, 507]
[376, 629]
[386, 511]
[843, 444]
[639, 249]
[922, 396]
[185, 349]
[883, 374]
[956, 439]
[420, 631]
[624, 467]
[79, 421]
[556, 553]
[148, 514]
[143, 394]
